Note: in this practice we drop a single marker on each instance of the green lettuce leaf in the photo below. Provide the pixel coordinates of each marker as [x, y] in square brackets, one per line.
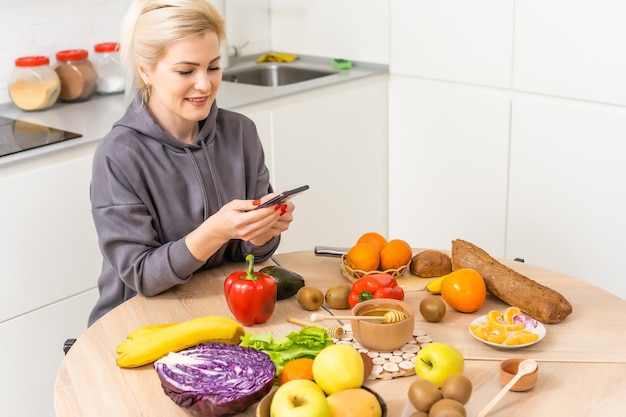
[306, 343]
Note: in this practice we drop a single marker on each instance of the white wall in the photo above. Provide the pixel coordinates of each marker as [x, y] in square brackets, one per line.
[44, 27]
[350, 29]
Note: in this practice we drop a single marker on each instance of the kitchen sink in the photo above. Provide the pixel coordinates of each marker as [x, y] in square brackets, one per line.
[274, 75]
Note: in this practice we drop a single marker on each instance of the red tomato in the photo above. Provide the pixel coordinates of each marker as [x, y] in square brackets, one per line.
[464, 290]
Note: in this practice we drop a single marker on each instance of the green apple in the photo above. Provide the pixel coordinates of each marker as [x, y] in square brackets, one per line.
[338, 367]
[299, 398]
[437, 361]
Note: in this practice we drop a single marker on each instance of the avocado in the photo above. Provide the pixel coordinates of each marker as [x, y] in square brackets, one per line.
[287, 282]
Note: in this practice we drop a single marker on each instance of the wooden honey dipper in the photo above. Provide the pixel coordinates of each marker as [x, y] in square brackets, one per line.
[333, 331]
[390, 316]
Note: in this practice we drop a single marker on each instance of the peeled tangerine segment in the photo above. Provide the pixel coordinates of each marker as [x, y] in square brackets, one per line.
[522, 337]
[515, 326]
[479, 330]
[494, 316]
[496, 333]
[509, 315]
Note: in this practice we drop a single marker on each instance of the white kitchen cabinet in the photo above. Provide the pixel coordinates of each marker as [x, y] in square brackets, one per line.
[448, 153]
[50, 263]
[49, 245]
[466, 41]
[32, 348]
[571, 49]
[334, 140]
[567, 197]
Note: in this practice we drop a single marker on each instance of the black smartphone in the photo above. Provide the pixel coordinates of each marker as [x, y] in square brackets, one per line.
[283, 196]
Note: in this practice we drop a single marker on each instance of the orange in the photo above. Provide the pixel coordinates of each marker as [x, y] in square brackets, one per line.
[376, 240]
[464, 290]
[395, 254]
[363, 257]
[301, 368]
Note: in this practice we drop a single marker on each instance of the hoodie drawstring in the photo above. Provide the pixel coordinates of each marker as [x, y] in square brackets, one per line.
[213, 176]
[205, 198]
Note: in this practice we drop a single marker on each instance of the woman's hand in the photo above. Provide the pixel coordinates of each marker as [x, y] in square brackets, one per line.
[281, 224]
[238, 220]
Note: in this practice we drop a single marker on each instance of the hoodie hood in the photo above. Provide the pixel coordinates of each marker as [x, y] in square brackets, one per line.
[137, 118]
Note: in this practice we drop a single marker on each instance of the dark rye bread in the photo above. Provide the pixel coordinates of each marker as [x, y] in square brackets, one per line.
[431, 263]
[538, 301]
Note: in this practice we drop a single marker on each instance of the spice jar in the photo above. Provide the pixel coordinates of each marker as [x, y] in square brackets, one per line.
[77, 74]
[107, 62]
[34, 85]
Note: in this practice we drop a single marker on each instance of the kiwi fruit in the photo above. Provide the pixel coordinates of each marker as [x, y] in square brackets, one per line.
[432, 308]
[337, 296]
[310, 298]
[447, 408]
[423, 393]
[457, 387]
[418, 414]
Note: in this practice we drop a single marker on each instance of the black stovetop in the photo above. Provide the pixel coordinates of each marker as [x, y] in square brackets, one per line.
[18, 135]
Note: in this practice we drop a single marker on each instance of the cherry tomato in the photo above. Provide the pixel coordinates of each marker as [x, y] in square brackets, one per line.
[464, 290]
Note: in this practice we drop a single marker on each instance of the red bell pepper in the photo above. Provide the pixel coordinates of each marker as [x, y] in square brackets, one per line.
[251, 296]
[373, 286]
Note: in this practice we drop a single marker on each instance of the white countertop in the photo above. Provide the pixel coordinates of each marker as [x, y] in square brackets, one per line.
[93, 118]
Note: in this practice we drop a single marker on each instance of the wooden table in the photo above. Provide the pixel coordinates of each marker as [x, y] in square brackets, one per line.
[582, 360]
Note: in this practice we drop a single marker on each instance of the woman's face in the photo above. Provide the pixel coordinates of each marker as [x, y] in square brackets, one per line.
[185, 81]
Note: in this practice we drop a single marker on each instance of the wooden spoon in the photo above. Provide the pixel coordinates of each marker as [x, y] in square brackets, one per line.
[525, 367]
[391, 316]
[333, 331]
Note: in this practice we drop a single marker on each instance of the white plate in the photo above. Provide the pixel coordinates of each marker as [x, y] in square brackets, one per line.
[531, 324]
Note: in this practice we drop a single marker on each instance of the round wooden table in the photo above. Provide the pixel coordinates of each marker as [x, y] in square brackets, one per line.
[582, 360]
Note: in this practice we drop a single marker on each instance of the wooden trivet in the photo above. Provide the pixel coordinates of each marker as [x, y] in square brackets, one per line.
[392, 364]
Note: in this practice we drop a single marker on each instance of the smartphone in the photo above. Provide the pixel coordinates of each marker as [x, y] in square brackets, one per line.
[282, 196]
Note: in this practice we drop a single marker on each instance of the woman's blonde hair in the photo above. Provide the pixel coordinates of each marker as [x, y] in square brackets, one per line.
[151, 25]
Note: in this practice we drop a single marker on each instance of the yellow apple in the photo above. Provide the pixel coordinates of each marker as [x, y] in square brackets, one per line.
[299, 398]
[338, 367]
[437, 361]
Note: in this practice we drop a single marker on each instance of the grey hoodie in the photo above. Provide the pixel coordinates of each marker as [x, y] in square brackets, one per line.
[149, 190]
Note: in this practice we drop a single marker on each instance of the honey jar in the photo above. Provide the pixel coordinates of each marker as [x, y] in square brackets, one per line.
[34, 85]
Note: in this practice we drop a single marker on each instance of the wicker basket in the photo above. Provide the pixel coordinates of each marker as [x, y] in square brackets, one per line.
[352, 274]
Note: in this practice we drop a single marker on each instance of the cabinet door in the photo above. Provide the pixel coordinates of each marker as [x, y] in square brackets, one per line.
[448, 156]
[334, 141]
[32, 346]
[567, 197]
[49, 246]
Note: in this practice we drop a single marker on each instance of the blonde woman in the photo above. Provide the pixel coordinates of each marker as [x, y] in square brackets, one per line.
[175, 182]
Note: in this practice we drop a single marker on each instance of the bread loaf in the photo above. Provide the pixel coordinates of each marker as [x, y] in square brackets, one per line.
[431, 263]
[538, 301]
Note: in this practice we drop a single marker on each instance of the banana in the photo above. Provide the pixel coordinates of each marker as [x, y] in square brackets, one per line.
[434, 286]
[149, 343]
[141, 332]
